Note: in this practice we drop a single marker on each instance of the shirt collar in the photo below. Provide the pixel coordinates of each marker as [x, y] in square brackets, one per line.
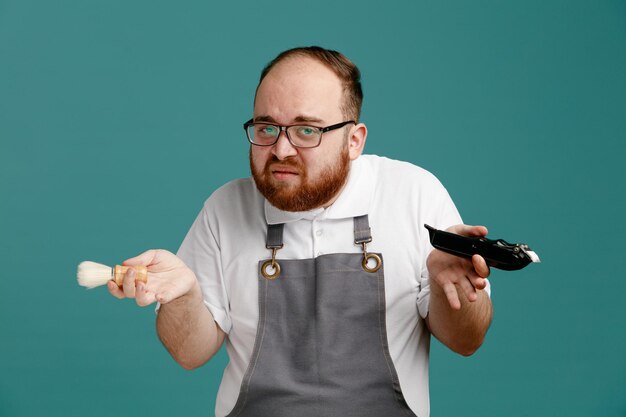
[354, 200]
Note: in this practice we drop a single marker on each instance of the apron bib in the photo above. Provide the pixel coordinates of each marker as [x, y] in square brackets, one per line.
[321, 346]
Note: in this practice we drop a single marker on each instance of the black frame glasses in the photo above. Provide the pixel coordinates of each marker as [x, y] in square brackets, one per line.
[281, 128]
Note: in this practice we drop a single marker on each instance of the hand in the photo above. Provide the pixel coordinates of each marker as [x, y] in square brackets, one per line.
[452, 273]
[168, 278]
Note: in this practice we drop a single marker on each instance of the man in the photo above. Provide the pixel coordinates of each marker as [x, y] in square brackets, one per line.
[317, 272]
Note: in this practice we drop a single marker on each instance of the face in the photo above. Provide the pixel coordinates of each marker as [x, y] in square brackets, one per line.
[303, 91]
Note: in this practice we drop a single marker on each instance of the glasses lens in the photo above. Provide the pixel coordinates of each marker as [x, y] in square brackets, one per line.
[304, 136]
[263, 134]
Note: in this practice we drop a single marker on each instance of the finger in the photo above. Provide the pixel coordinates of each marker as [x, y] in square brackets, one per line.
[479, 283]
[468, 289]
[115, 290]
[449, 290]
[143, 297]
[146, 258]
[128, 284]
[480, 266]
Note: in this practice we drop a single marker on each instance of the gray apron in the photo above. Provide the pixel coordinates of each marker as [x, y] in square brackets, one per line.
[321, 345]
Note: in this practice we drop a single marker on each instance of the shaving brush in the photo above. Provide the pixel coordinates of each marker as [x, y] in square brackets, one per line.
[92, 274]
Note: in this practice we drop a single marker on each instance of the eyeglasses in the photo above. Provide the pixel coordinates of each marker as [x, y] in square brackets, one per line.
[300, 136]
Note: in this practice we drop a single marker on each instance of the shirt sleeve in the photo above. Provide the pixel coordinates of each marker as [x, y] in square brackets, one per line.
[201, 252]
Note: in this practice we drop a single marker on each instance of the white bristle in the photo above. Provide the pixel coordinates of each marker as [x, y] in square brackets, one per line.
[92, 274]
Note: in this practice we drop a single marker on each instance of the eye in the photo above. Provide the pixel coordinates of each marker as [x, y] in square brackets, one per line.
[270, 130]
[305, 131]
[267, 130]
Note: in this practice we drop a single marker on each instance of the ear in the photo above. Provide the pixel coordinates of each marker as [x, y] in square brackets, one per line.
[356, 140]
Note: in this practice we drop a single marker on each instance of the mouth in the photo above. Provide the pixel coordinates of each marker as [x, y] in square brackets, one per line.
[283, 172]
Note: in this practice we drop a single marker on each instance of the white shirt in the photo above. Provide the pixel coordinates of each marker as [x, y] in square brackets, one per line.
[227, 240]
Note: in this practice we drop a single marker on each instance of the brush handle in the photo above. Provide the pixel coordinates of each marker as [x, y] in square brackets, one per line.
[120, 270]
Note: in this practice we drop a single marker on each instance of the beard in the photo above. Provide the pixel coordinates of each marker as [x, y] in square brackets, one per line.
[311, 193]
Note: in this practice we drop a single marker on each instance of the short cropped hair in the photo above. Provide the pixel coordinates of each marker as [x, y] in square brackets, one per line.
[345, 69]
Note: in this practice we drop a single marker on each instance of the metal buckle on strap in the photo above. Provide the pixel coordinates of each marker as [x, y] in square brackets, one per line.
[366, 258]
[271, 264]
[271, 269]
[363, 236]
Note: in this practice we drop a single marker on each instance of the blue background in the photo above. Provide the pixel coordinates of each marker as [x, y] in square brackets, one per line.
[118, 118]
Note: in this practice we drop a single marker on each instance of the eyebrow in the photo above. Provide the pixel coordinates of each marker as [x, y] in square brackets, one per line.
[297, 119]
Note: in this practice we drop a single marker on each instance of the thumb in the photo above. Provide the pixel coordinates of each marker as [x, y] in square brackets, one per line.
[468, 230]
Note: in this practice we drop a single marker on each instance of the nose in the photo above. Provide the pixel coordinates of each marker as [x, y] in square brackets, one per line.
[283, 149]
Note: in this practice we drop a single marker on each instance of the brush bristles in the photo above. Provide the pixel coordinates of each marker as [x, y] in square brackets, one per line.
[92, 274]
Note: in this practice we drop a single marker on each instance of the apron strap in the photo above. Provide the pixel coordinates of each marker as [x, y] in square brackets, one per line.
[274, 236]
[362, 232]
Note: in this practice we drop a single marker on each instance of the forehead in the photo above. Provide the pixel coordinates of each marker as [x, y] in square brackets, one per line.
[299, 87]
